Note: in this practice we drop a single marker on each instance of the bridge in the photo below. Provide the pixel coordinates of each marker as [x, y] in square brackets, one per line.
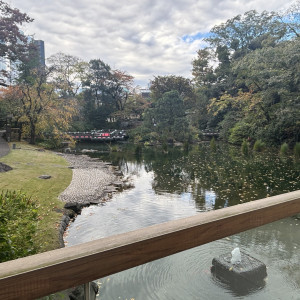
[210, 133]
[104, 135]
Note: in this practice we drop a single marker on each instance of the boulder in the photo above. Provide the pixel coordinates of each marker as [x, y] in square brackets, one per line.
[78, 292]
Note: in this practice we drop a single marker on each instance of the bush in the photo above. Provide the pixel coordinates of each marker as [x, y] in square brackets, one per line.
[259, 146]
[284, 149]
[297, 151]
[213, 145]
[18, 222]
[239, 132]
[245, 148]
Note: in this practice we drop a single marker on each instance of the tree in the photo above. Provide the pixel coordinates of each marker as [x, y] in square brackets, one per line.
[291, 18]
[167, 119]
[106, 92]
[68, 74]
[163, 84]
[242, 34]
[203, 71]
[120, 87]
[37, 105]
[248, 76]
[14, 44]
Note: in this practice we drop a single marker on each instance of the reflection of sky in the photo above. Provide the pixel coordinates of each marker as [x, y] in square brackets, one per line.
[132, 209]
[210, 198]
[135, 208]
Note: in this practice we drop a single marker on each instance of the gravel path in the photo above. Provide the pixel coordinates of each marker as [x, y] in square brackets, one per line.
[91, 181]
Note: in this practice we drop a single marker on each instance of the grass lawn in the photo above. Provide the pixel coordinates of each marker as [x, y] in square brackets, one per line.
[28, 164]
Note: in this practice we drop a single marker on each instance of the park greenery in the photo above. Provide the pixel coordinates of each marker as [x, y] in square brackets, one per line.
[29, 220]
[18, 222]
[244, 86]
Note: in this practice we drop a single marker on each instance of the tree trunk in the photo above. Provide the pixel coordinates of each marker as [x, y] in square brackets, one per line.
[32, 133]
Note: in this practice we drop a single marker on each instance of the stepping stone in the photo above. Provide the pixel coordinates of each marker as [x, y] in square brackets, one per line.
[45, 176]
[4, 167]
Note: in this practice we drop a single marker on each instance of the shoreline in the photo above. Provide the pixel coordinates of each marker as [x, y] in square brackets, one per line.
[93, 182]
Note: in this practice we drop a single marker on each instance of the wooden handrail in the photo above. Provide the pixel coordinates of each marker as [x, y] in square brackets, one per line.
[42, 274]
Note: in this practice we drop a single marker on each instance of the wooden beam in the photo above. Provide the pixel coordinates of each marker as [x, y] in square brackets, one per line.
[42, 274]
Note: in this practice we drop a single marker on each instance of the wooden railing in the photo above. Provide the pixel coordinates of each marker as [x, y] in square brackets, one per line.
[42, 274]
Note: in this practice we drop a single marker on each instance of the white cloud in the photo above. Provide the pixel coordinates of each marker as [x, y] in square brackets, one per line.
[143, 38]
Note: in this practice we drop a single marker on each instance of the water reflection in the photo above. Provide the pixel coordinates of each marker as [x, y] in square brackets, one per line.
[174, 185]
[232, 177]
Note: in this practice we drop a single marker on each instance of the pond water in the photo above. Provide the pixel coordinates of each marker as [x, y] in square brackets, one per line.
[179, 184]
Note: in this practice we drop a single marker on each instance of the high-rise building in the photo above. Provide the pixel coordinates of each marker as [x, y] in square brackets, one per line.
[40, 47]
[9, 69]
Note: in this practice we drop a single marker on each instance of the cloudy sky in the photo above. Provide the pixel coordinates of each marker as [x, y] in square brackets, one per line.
[146, 38]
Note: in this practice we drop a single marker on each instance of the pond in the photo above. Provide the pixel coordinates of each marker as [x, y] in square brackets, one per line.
[174, 184]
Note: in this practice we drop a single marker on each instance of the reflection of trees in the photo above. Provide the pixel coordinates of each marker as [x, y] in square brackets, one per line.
[232, 177]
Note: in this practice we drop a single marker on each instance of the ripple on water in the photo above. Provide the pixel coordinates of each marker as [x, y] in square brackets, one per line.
[185, 275]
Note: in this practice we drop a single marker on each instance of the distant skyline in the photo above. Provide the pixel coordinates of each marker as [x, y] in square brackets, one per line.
[144, 38]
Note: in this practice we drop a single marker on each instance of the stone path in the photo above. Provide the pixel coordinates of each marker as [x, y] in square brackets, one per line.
[4, 148]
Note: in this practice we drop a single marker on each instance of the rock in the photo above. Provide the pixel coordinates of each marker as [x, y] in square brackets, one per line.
[67, 150]
[63, 225]
[4, 167]
[78, 292]
[88, 151]
[45, 176]
[76, 207]
[242, 278]
[110, 189]
[118, 183]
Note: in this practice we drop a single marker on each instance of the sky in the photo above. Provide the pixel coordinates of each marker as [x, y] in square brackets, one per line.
[145, 38]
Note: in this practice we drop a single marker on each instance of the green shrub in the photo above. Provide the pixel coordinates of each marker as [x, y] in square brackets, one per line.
[212, 144]
[18, 222]
[259, 146]
[114, 148]
[297, 151]
[284, 149]
[165, 146]
[245, 148]
[239, 132]
[186, 146]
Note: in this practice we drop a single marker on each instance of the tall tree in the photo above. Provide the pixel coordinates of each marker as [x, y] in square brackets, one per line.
[14, 44]
[167, 118]
[106, 92]
[37, 105]
[247, 32]
[68, 74]
[203, 70]
[163, 84]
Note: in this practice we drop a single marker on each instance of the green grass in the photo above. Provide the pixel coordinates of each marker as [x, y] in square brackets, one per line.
[28, 164]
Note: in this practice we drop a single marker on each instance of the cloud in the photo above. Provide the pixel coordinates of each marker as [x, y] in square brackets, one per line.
[144, 38]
